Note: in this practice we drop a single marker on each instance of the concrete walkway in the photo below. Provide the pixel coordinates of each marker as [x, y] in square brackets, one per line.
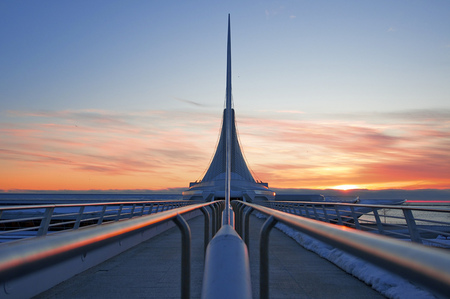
[152, 270]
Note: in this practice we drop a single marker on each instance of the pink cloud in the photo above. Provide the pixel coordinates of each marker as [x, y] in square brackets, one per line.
[299, 151]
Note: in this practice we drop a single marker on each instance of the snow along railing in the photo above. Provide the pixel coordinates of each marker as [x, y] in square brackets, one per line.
[426, 266]
[25, 221]
[417, 224]
[24, 258]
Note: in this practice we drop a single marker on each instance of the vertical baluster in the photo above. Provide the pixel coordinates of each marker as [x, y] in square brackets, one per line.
[264, 257]
[316, 216]
[119, 212]
[325, 214]
[79, 216]
[306, 210]
[338, 215]
[143, 208]
[102, 215]
[355, 218]
[132, 210]
[45, 222]
[378, 220]
[413, 231]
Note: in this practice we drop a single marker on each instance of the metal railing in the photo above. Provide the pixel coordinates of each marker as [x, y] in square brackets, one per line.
[17, 222]
[424, 265]
[227, 267]
[428, 226]
[31, 255]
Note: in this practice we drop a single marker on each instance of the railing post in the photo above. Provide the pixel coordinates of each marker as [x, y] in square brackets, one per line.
[325, 214]
[142, 209]
[100, 219]
[206, 228]
[306, 211]
[338, 215]
[238, 217]
[378, 220]
[185, 256]
[221, 209]
[300, 213]
[297, 209]
[355, 219]
[246, 226]
[413, 232]
[45, 222]
[79, 216]
[264, 257]
[316, 216]
[213, 219]
[218, 217]
[150, 208]
[119, 212]
[132, 210]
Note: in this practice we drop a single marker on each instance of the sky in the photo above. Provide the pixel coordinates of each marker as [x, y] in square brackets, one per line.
[110, 95]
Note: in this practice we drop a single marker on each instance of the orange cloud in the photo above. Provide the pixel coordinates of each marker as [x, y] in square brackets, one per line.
[406, 150]
[93, 149]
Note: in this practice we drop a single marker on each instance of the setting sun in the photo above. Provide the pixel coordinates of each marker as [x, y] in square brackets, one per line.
[346, 187]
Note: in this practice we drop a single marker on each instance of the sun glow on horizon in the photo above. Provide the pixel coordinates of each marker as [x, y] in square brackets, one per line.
[347, 187]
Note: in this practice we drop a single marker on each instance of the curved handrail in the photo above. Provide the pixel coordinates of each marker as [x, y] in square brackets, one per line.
[30, 255]
[72, 215]
[420, 224]
[424, 265]
[396, 207]
[75, 205]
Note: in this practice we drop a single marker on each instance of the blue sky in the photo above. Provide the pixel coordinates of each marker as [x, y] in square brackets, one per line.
[379, 65]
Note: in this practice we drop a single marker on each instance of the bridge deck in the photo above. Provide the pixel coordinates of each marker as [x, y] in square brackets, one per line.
[152, 270]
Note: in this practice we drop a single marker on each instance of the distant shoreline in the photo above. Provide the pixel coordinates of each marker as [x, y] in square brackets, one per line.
[417, 194]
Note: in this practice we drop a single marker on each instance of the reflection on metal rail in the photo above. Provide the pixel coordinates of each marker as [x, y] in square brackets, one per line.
[429, 226]
[424, 265]
[35, 254]
[17, 222]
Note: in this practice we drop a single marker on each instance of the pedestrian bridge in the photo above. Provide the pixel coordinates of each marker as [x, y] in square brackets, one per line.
[181, 249]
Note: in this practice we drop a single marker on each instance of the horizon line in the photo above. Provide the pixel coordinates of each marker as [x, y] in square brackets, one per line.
[180, 189]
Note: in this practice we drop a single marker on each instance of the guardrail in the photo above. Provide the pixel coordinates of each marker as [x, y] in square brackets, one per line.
[17, 222]
[31, 255]
[423, 225]
[424, 265]
[227, 267]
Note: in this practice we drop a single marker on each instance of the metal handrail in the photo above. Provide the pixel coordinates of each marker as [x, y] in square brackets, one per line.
[227, 260]
[368, 218]
[30, 255]
[424, 265]
[41, 219]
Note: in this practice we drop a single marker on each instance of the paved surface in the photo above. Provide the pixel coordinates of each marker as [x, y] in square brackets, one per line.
[295, 272]
[152, 270]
